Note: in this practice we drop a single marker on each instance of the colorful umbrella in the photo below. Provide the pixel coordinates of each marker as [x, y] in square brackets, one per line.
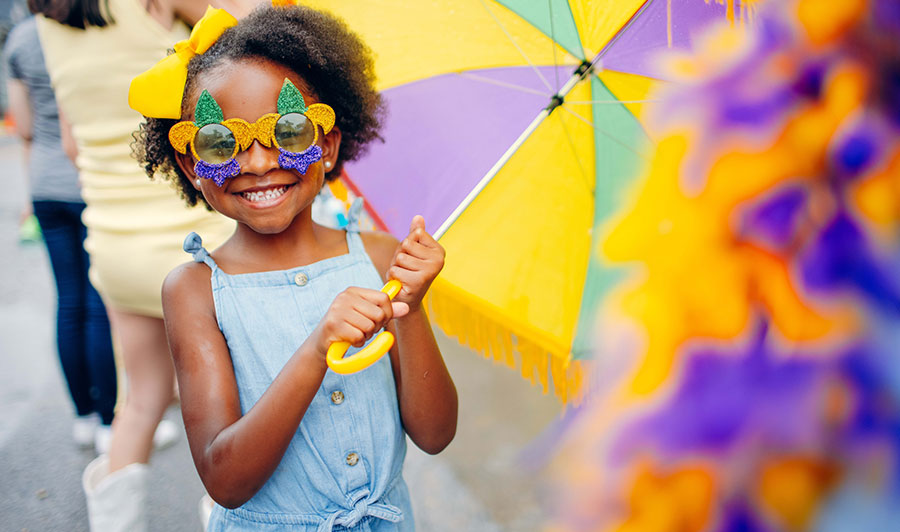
[526, 115]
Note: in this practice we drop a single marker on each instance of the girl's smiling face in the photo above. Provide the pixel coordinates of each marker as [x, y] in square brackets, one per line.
[264, 197]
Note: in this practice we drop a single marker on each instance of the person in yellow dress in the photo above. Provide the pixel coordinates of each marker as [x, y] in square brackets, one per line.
[136, 226]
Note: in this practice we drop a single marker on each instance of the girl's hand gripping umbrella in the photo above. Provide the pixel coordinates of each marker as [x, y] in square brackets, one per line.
[418, 260]
[369, 354]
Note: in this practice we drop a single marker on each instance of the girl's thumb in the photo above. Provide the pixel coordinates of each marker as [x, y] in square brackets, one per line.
[417, 222]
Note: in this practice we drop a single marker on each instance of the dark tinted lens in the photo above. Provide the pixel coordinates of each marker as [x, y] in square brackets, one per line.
[294, 132]
[214, 143]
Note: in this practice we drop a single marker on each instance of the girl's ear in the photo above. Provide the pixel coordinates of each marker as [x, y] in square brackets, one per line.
[186, 163]
[331, 145]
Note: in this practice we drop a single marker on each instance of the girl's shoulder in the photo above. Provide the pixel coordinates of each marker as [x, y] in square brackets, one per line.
[380, 247]
[187, 288]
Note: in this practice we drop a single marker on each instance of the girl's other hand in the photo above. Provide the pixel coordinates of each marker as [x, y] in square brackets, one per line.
[418, 260]
[354, 316]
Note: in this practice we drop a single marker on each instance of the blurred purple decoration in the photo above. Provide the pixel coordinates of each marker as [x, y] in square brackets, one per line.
[725, 399]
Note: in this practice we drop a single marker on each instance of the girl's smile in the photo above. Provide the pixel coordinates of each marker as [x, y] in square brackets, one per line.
[262, 197]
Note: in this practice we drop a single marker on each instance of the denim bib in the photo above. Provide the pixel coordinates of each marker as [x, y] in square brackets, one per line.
[342, 469]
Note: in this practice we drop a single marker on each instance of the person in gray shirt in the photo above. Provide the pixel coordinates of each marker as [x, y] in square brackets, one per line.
[83, 334]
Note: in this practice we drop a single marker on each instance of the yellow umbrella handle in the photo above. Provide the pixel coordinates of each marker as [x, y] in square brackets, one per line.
[369, 354]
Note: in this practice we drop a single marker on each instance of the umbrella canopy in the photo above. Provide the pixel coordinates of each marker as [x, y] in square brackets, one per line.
[528, 114]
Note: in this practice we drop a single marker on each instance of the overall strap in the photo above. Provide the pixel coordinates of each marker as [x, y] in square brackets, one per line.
[353, 215]
[193, 244]
[354, 242]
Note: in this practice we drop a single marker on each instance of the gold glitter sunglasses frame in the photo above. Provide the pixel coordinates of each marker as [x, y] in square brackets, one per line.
[182, 134]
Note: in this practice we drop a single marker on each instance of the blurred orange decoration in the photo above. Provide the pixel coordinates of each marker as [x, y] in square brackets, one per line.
[748, 359]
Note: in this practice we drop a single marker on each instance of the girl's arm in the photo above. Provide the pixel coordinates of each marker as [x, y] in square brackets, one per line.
[234, 454]
[427, 396]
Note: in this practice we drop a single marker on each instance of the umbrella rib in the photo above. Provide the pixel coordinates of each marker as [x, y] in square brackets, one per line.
[575, 153]
[483, 79]
[624, 28]
[514, 43]
[605, 134]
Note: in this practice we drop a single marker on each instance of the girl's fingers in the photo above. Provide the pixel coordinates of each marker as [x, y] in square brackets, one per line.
[378, 307]
[421, 253]
[366, 319]
[420, 236]
[350, 333]
[409, 262]
[377, 298]
[413, 247]
[410, 280]
[418, 233]
[378, 311]
[359, 327]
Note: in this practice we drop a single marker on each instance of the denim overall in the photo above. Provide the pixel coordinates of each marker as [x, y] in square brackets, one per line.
[342, 469]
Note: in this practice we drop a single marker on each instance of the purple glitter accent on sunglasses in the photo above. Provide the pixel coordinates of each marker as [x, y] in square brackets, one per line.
[299, 161]
[217, 172]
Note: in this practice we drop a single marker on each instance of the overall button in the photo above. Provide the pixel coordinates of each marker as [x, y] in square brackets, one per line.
[352, 459]
[337, 397]
[301, 279]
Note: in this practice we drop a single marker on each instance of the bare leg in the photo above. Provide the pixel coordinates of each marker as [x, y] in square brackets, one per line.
[150, 379]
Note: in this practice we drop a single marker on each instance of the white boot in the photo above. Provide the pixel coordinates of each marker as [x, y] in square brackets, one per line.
[116, 502]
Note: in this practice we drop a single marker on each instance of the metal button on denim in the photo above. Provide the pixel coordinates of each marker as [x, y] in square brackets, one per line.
[352, 459]
[337, 397]
[301, 279]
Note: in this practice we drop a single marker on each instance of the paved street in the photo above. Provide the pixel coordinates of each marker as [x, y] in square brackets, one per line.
[477, 484]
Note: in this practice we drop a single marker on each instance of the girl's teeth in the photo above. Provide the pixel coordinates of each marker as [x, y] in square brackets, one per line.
[264, 195]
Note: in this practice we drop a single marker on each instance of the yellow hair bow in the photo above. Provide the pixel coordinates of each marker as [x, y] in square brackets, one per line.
[157, 93]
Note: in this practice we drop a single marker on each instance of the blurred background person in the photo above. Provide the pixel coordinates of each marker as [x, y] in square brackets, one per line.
[136, 226]
[82, 327]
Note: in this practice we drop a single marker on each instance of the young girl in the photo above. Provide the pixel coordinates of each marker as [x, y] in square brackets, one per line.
[281, 442]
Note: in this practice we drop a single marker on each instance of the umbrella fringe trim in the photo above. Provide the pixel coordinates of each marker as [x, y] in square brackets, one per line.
[475, 324]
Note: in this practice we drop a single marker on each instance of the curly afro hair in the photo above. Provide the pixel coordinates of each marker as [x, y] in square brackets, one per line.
[333, 61]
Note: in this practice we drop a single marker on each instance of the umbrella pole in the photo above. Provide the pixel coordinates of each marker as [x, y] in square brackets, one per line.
[556, 100]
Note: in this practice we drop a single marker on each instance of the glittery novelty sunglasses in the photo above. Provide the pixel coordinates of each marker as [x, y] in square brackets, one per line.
[215, 142]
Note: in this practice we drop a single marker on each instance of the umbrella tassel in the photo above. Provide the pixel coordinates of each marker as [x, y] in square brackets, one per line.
[508, 350]
[527, 356]
[496, 351]
[478, 329]
[558, 375]
[543, 368]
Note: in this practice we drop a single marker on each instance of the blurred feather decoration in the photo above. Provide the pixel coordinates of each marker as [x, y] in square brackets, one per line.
[748, 363]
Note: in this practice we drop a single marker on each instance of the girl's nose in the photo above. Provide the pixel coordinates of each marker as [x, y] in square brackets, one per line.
[257, 159]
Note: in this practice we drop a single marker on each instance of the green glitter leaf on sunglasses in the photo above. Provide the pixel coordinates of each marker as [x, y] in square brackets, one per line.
[290, 100]
[207, 110]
